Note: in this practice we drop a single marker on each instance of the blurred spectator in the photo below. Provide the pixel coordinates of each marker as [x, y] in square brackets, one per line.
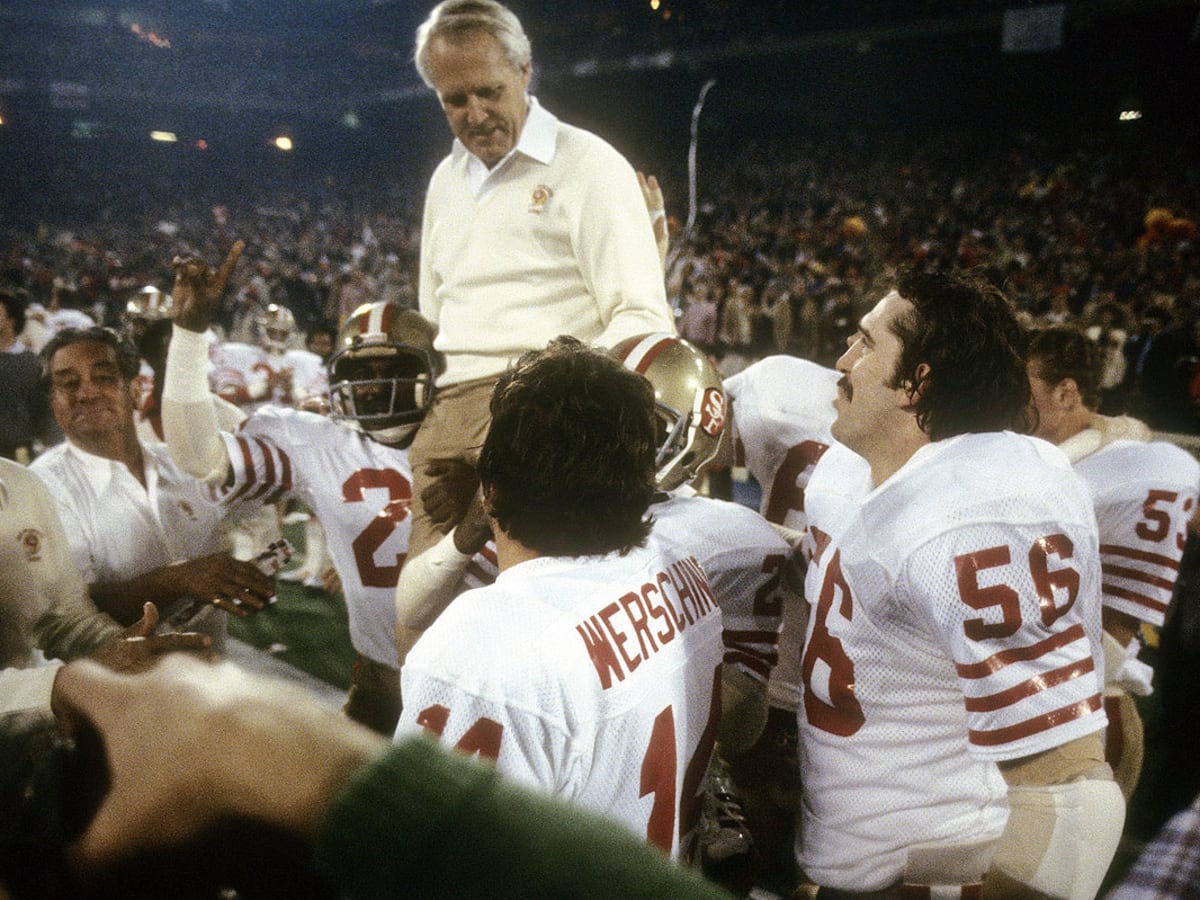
[25, 425]
[1110, 334]
[701, 314]
[1153, 368]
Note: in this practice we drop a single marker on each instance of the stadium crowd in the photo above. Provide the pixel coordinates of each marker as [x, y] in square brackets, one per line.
[787, 245]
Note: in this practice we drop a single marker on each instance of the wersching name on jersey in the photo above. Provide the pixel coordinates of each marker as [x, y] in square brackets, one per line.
[662, 609]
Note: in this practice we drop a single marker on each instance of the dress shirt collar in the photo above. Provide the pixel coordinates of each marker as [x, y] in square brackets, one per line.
[100, 470]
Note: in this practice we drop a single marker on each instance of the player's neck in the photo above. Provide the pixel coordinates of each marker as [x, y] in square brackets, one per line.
[510, 551]
[891, 457]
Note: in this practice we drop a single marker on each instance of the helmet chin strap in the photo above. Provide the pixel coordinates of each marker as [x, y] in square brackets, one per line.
[396, 434]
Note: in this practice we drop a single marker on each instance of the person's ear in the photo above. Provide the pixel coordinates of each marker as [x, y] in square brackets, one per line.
[919, 383]
[1066, 393]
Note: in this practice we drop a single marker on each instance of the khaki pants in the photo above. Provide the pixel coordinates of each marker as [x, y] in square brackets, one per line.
[454, 428]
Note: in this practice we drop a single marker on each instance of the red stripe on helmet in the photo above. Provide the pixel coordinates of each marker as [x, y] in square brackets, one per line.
[648, 355]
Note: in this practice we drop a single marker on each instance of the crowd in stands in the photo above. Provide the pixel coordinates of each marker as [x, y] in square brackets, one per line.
[788, 246]
[794, 243]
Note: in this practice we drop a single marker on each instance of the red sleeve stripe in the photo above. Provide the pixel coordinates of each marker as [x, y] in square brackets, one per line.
[998, 661]
[286, 463]
[1036, 725]
[1156, 559]
[1167, 584]
[747, 661]
[1110, 590]
[269, 479]
[250, 477]
[1018, 692]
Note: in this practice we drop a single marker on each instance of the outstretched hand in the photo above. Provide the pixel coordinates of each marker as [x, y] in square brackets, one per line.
[198, 290]
[191, 743]
[137, 648]
[657, 208]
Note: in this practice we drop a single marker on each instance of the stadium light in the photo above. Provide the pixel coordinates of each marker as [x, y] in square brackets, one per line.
[1130, 115]
[166, 137]
[283, 142]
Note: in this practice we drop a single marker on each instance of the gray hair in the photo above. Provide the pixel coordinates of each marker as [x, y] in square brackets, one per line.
[454, 18]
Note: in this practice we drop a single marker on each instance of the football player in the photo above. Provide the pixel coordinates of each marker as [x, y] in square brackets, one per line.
[1144, 493]
[750, 567]
[350, 468]
[270, 370]
[747, 562]
[590, 668]
[951, 717]
[780, 411]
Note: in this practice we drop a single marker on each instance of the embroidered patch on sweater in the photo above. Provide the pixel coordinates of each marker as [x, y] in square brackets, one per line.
[537, 201]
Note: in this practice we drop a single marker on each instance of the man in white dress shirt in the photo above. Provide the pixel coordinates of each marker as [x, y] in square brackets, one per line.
[139, 528]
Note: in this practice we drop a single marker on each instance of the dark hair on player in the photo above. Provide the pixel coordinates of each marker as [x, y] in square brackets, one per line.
[126, 356]
[568, 464]
[1063, 351]
[964, 330]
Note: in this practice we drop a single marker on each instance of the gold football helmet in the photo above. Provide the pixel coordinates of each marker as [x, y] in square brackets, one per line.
[382, 370]
[275, 328]
[689, 399]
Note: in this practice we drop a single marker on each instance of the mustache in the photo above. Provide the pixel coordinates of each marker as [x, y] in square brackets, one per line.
[844, 386]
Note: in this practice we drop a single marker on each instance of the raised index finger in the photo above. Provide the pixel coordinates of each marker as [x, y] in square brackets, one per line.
[231, 259]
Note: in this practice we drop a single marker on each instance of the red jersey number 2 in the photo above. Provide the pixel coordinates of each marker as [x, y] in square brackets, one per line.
[381, 527]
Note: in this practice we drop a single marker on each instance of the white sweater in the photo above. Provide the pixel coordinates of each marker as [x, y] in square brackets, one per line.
[558, 242]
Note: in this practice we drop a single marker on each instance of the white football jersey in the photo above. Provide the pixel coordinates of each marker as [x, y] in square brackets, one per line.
[309, 376]
[782, 410]
[745, 560]
[955, 623]
[240, 374]
[592, 679]
[1144, 495]
[359, 489]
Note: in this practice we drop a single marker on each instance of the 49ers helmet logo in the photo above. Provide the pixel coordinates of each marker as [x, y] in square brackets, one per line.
[712, 412]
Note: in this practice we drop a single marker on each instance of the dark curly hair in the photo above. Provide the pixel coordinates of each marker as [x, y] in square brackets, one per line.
[127, 357]
[1064, 351]
[568, 463]
[965, 330]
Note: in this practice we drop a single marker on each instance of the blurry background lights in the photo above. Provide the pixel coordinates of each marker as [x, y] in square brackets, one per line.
[1130, 115]
[167, 137]
[283, 142]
